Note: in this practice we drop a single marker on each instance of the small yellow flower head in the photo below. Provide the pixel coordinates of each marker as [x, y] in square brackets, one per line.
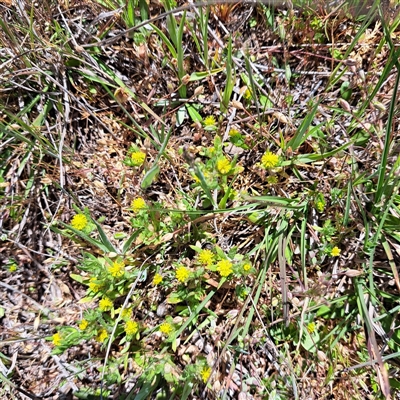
[206, 257]
[102, 336]
[57, 339]
[83, 325]
[234, 132]
[138, 158]
[182, 274]
[105, 304]
[79, 222]
[157, 279]
[247, 94]
[224, 268]
[335, 251]
[196, 178]
[311, 327]
[138, 204]
[269, 160]
[224, 166]
[166, 328]
[131, 328]
[209, 121]
[12, 267]
[93, 286]
[320, 205]
[126, 313]
[117, 269]
[272, 180]
[247, 267]
[205, 374]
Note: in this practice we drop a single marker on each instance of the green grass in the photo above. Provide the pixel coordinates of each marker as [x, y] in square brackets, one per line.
[236, 196]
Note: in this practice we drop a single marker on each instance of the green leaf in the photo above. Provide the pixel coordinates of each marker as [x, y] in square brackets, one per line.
[82, 235]
[180, 116]
[131, 239]
[229, 79]
[323, 311]
[304, 130]
[310, 341]
[198, 76]
[194, 115]
[150, 176]
[104, 238]
[346, 90]
[77, 278]
[174, 298]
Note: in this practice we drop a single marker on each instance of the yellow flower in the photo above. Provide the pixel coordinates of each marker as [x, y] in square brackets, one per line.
[79, 222]
[223, 166]
[247, 94]
[224, 268]
[234, 132]
[196, 178]
[83, 325]
[209, 121]
[205, 374]
[182, 274]
[311, 327]
[57, 339]
[320, 205]
[12, 267]
[206, 257]
[335, 251]
[157, 279]
[131, 328]
[247, 267]
[166, 328]
[269, 160]
[117, 269]
[102, 336]
[138, 204]
[138, 158]
[126, 313]
[105, 304]
[93, 286]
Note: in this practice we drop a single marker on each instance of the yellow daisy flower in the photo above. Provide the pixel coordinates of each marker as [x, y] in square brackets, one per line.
[117, 269]
[311, 327]
[83, 325]
[131, 328]
[269, 160]
[94, 286]
[79, 221]
[138, 158]
[57, 339]
[224, 267]
[234, 132]
[138, 204]
[224, 166]
[335, 251]
[247, 267]
[182, 274]
[205, 373]
[105, 304]
[166, 328]
[102, 336]
[247, 94]
[126, 313]
[206, 257]
[209, 121]
[157, 279]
